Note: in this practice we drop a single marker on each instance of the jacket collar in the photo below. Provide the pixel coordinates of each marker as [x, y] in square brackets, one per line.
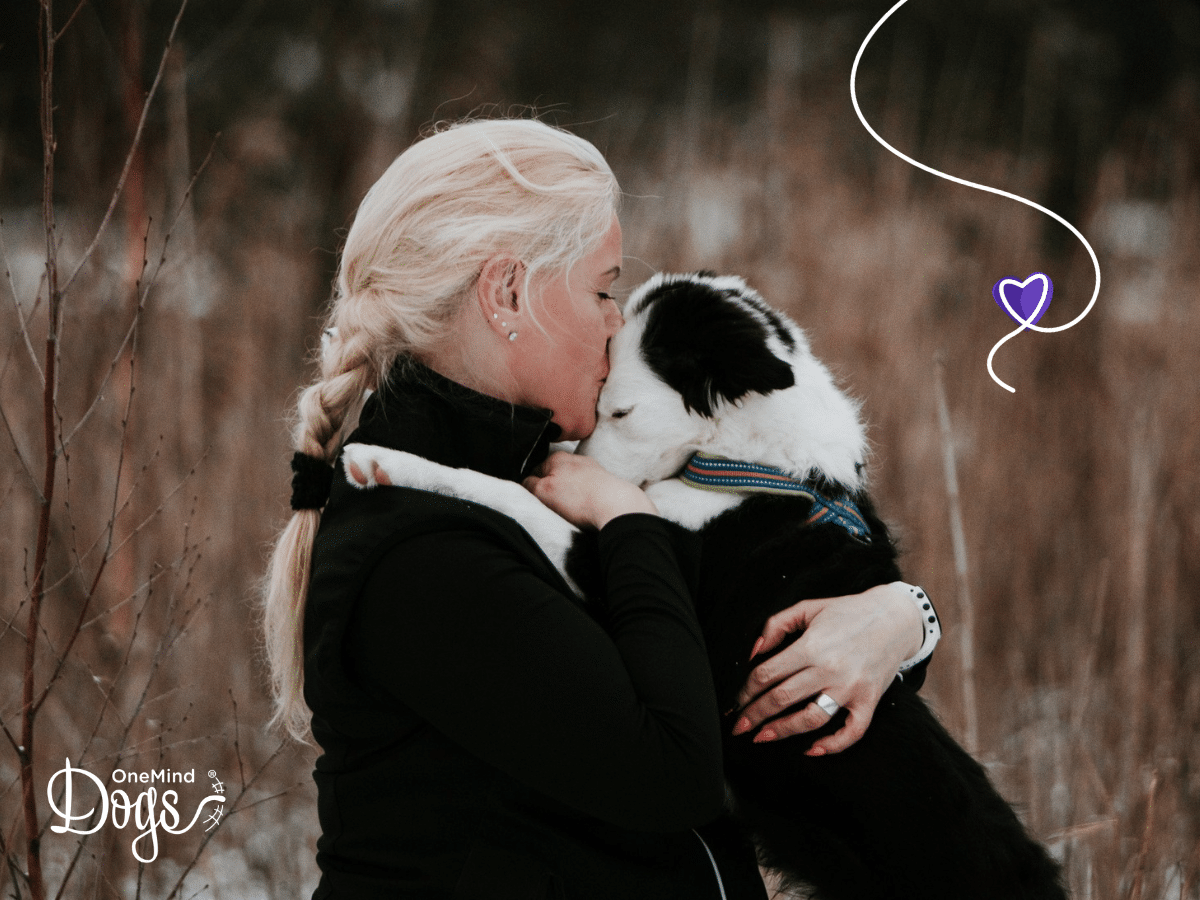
[422, 412]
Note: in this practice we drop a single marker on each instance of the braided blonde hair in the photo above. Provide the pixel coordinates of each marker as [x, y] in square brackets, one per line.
[416, 248]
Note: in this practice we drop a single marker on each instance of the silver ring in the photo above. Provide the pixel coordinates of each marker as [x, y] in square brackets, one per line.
[828, 704]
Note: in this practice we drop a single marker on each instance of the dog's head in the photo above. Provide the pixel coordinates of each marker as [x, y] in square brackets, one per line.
[703, 363]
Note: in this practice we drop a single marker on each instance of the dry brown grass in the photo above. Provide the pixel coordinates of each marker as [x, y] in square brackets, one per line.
[1077, 491]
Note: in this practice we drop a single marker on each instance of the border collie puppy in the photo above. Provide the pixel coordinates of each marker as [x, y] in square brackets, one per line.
[716, 405]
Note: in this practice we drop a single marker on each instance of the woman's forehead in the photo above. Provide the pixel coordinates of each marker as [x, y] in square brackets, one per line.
[607, 257]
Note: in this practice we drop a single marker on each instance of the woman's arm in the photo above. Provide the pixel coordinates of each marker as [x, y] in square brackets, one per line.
[619, 724]
[851, 649]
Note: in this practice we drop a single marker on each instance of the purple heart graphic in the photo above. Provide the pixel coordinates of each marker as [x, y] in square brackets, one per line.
[1020, 298]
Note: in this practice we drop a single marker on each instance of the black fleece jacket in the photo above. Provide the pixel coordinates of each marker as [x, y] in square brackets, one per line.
[483, 733]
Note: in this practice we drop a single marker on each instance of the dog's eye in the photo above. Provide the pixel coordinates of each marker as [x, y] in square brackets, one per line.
[621, 413]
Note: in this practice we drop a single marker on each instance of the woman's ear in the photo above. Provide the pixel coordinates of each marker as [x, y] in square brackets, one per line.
[501, 291]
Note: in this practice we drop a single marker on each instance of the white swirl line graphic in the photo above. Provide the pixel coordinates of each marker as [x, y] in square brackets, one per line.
[982, 187]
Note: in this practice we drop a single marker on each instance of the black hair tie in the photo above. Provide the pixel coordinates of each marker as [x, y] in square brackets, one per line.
[311, 479]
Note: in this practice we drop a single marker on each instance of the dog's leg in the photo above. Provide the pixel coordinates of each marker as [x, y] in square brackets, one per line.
[549, 530]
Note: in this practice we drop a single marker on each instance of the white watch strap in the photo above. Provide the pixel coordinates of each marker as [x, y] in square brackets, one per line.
[929, 621]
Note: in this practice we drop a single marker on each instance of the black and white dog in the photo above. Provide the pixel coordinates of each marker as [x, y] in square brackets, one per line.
[712, 388]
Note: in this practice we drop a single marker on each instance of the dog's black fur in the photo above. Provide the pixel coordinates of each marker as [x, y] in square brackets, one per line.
[905, 813]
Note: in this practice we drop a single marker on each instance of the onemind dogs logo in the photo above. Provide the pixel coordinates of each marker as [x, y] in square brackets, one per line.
[148, 812]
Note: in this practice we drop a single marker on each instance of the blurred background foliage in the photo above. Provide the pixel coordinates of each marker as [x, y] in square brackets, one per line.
[1070, 660]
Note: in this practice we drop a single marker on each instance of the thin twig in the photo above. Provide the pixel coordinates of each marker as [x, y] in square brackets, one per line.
[135, 143]
[967, 630]
[1135, 892]
[25, 750]
[164, 646]
[113, 551]
[233, 810]
[8, 734]
[142, 297]
[130, 597]
[1085, 828]
[25, 467]
[70, 20]
[269, 798]
[80, 846]
[158, 510]
[116, 361]
[237, 749]
[24, 331]
[105, 534]
[8, 626]
[111, 526]
[162, 258]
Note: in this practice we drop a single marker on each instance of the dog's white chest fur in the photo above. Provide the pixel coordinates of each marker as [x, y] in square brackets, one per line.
[689, 506]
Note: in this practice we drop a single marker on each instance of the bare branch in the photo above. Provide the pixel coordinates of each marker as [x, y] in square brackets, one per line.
[107, 696]
[24, 331]
[253, 778]
[80, 626]
[237, 749]
[70, 20]
[8, 734]
[105, 535]
[1135, 892]
[25, 752]
[164, 646]
[107, 702]
[271, 797]
[158, 510]
[143, 294]
[25, 467]
[233, 809]
[110, 551]
[165, 694]
[128, 598]
[8, 626]
[129, 157]
[112, 522]
[116, 361]
[162, 258]
[9, 860]
[173, 745]
[80, 846]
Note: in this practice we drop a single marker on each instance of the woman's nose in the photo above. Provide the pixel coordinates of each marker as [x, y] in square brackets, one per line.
[613, 318]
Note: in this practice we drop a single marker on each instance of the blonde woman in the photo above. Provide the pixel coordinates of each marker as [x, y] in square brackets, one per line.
[484, 735]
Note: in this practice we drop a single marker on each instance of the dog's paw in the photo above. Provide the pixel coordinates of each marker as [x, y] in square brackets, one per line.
[362, 464]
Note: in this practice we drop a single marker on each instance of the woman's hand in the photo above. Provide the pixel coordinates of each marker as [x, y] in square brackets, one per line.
[585, 493]
[850, 649]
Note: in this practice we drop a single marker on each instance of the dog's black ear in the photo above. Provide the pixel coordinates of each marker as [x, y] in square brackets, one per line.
[708, 347]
